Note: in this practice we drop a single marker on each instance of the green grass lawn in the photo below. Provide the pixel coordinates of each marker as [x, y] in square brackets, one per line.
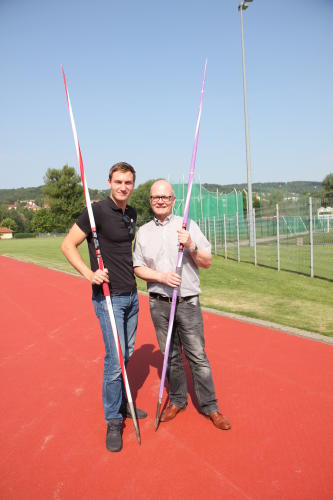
[292, 257]
[258, 292]
[43, 251]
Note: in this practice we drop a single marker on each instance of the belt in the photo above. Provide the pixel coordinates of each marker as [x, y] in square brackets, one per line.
[158, 296]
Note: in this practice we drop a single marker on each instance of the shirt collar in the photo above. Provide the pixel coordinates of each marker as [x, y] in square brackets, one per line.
[114, 206]
[166, 220]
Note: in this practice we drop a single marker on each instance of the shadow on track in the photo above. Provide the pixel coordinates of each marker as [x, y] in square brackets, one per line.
[138, 370]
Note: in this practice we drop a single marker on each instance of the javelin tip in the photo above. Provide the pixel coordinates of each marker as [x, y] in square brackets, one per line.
[205, 68]
[63, 74]
[157, 418]
[137, 431]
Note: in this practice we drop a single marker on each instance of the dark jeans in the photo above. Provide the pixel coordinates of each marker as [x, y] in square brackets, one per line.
[187, 332]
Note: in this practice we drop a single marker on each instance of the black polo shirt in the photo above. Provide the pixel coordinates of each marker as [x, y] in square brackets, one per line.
[115, 232]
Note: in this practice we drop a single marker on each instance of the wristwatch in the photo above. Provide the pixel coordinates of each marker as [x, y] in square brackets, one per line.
[195, 250]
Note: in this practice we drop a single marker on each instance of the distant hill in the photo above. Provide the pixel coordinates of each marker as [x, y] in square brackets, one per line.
[31, 193]
[299, 187]
[8, 196]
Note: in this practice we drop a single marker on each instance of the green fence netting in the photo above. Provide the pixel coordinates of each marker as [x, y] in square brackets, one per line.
[208, 204]
[229, 237]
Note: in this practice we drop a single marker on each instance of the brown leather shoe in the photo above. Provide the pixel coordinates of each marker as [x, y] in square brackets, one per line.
[219, 420]
[170, 412]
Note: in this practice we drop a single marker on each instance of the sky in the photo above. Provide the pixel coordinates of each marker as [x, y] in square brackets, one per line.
[134, 73]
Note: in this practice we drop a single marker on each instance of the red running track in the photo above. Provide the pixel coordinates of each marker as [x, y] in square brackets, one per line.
[276, 388]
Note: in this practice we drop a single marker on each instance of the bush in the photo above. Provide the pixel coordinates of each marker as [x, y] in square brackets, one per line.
[24, 235]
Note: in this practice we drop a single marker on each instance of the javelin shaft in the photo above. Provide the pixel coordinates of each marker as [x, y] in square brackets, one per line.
[105, 286]
[181, 249]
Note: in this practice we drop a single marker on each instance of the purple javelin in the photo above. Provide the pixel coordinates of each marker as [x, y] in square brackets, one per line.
[180, 253]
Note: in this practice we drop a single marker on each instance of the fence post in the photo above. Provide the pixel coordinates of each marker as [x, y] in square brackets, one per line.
[237, 226]
[254, 236]
[311, 238]
[217, 202]
[214, 221]
[209, 234]
[225, 238]
[278, 236]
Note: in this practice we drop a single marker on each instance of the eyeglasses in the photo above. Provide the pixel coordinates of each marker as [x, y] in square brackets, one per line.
[130, 224]
[165, 199]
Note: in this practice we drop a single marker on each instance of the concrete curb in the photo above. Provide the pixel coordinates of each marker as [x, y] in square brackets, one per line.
[275, 326]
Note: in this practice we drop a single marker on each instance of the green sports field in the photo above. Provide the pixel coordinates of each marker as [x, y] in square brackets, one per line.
[257, 292]
[292, 257]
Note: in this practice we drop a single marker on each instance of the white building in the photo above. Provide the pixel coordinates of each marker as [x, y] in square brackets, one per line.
[5, 233]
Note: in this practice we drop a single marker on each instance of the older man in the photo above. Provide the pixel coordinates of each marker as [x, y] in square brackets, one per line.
[115, 224]
[154, 260]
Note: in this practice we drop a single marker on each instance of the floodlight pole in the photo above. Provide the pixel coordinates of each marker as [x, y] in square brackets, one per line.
[243, 6]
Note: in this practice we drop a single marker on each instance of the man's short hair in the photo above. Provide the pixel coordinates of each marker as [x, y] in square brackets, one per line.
[122, 166]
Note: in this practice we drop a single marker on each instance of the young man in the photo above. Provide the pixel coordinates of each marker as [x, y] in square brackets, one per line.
[115, 225]
[155, 258]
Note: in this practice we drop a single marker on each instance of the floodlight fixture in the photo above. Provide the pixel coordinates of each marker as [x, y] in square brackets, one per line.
[243, 5]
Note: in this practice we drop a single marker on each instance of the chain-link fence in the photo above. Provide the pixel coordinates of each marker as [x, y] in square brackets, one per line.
[294, 237]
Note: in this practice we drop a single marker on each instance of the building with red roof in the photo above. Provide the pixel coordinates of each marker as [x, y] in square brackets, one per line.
[5, 233]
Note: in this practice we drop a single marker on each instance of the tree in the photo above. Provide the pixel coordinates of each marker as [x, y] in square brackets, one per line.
[43, 221]
[64, 194]
[140, 201]
[255, 202]
[9, 223]
[275, 197]
[328, 183]
[25, 216]
[21, 216]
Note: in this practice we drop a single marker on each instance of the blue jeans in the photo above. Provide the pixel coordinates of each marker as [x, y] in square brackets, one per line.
[125, 309]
